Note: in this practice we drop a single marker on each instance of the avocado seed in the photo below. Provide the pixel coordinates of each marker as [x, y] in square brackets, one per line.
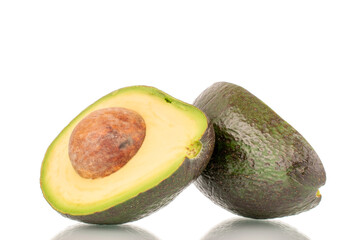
[105, 140]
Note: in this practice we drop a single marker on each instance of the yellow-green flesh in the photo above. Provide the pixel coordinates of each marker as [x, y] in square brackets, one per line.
[173, 129]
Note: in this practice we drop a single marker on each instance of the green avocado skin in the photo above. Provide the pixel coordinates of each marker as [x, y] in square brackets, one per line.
[261, 167]
[150, 201]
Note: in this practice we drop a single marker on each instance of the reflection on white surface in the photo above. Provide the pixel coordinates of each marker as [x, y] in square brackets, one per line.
[244, 229]
[100, 232]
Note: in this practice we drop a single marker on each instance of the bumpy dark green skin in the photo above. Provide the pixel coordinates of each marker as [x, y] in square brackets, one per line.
[150, 201]
[261, 166]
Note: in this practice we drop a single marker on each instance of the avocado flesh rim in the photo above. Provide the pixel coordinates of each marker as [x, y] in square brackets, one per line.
[163, 114]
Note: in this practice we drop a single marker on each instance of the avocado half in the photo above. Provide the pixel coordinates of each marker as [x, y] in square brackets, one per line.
[176, 145]
[261, 166]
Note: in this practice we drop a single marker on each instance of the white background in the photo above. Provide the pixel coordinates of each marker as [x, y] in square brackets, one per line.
[300, 57]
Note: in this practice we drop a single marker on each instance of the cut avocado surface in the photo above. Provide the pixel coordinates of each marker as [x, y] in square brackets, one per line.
[176, 146]
[261, 166]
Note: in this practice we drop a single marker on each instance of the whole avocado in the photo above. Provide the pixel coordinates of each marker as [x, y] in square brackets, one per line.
[261, 166]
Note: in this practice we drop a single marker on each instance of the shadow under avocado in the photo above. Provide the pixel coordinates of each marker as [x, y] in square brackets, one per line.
[245, 229]
[103, 232]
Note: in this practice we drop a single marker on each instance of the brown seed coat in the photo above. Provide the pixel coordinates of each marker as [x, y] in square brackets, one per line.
[105, 140]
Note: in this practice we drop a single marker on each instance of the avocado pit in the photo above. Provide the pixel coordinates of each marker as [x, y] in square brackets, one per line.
[105, 140]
